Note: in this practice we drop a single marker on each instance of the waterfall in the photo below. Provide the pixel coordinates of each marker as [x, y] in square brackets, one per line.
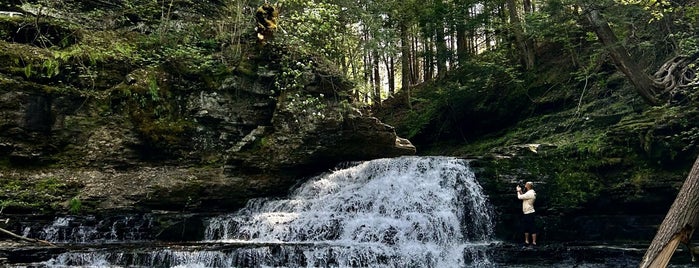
[90, 229]
[409, 211]
[398, 212]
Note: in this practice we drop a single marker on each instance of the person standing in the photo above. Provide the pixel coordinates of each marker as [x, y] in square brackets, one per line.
[528, 224]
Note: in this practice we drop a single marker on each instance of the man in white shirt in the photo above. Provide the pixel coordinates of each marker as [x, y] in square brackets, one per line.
[528, 199]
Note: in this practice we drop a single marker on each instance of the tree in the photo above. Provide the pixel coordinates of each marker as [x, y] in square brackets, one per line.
[674, 74]
[642, 82]
[523, 43]
[439, 37]
[679, 223]
[405, 58]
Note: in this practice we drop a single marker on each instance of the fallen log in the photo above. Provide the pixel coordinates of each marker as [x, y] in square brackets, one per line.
[679, 224]
[31, 240]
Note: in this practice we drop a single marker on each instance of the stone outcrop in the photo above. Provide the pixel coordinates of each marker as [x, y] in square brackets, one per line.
[131, 137]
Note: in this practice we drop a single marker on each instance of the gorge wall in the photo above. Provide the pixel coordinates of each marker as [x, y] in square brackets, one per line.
[101, 109]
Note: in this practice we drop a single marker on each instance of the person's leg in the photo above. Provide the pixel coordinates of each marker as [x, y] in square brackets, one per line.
[534, 239]
[526, 238]
[533, 227]
[527, 226]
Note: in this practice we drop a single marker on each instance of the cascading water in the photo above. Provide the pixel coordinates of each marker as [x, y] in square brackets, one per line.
[89, 229]
[400, 212]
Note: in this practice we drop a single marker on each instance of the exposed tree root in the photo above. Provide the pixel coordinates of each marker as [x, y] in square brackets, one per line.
[677, 73]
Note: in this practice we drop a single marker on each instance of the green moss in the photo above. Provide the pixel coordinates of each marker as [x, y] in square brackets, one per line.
[570, 189]
[153, 111]
[246, 68]
[25, 194]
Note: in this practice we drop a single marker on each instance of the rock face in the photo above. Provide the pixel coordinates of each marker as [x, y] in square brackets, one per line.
[124, 136]
[569, 207]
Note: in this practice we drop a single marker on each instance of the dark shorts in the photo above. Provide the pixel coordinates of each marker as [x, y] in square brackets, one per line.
[528, 223]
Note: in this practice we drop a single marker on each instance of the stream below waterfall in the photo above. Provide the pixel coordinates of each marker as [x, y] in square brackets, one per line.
[399, 212]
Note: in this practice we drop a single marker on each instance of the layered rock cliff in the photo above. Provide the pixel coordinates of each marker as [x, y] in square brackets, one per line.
[111, 107]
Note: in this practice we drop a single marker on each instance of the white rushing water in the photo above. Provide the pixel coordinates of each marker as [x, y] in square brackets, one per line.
[409, 211]
[399, 212]
[88, 229]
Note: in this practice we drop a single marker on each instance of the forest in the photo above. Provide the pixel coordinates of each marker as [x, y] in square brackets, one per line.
[171, 111]
[388, 45]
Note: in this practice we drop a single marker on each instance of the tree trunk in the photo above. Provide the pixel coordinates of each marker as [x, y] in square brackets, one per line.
[366, 59]
[442, 51]
[390, 74]
[428, 62]
[377, 79]
[462, 44]
[404, 57]
[641, 81]
[473, 33]
[525, 47]
[405, 61]
[355, 71]
[440, 40]
[528, 7]
[679, 223]
[415, 67]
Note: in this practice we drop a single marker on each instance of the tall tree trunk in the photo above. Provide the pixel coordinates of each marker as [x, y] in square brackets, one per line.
[344, 65]
[355, 70]
[404, 57]
[641, 81]
[366, 59]
[390, 74]
[502, 14]
[415, 64]
[529, 42]
[462, 43]
[528, 8]
[526, 50]
[440, 40]
[405, 61]
[679, 223]
[442, 51]
[377, 79]
[428, 62]
[472, 37]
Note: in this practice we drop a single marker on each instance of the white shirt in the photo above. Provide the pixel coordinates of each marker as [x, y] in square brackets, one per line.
[527, 201]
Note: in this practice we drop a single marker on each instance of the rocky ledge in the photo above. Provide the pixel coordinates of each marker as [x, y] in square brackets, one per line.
[17, 254]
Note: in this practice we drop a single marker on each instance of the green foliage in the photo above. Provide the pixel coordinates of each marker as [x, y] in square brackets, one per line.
[153, 111]
[461, 106]
[419, 120]
[657, 8]
[67, 64]
[296, 73]
[571, 189]
[190, 59]
[306, 108]
[28, 71]
[43, 194]
[75, 205]
[317, 26]
[230, 28]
